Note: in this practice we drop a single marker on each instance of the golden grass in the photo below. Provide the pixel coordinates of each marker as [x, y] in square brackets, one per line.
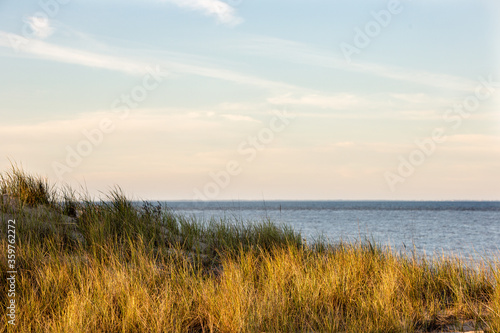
[25, 188]
[259, 279]
[349, 289]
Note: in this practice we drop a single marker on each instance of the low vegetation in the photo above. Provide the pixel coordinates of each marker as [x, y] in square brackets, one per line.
[117, 266]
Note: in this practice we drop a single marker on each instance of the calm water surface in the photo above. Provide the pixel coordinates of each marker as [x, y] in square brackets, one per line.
[462, 228]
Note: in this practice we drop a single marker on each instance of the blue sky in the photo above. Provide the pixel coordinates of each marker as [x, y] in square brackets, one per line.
[301, 99]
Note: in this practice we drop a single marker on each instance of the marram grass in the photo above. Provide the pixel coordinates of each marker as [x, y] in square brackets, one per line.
[125, 277]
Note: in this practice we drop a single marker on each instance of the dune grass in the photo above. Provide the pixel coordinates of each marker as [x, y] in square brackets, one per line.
[25, 188]
[143, 268]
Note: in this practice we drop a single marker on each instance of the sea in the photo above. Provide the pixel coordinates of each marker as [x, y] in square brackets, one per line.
[468, 229]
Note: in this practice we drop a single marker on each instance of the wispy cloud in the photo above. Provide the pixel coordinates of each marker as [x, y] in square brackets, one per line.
[296, 52]
[238, 117]
[63, 54]
[418, 106]
[40, 26]
[131, 65]
[337, 101]
[223, 12]
[423, 106]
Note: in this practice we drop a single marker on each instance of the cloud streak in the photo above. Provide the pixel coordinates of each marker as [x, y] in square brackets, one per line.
[73, 56]
[224, 13]
[301, 53]
[133, 66]
[281, 93]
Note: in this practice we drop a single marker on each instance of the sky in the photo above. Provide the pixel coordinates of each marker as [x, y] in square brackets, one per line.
[254, 100]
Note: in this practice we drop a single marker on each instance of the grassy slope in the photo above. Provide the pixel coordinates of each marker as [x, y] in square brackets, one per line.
[141, 269]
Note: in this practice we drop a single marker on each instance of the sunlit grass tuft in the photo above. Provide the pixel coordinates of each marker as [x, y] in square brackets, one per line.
[26, 189]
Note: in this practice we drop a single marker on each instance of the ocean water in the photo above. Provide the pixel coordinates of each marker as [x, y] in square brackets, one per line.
[463, 228]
